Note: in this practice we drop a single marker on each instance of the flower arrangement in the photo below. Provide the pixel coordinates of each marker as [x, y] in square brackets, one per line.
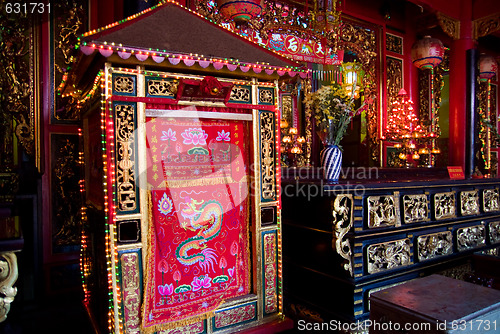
[333, 109]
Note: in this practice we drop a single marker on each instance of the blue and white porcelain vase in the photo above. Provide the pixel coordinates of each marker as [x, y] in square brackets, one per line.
[331, 161]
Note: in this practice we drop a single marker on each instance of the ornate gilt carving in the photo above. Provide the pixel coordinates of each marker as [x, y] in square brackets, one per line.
[126, 84]
[287, 108]
[383, 211]
[469, 202]
[415, 208]
[235, 315]
[65, 192]
[486, 25]
[449, 25]
[394, 80]
[165, 88]
[388, 255]
[241, 94]
[69, 25]
[8, 277]
[343, 222]
[130, 265]
[494, 228]
[444, 205]
[125, 124]
[266, 96]
[16, 83]
[434, 245]
[309, 122]
[491, 200]
[270, 273]
[471, 237]
[394, 43]
[268, 155]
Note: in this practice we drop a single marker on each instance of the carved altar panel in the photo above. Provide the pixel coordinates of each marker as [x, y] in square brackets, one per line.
[125, 155]
[469, 202]
[131, 283]
[388, 255]
[383, 211]
[415, 208]
[394, 43]
[494, 228]
[491, 200]
[434, 245]
[233, 316]
[268, 154]
[241, 94]
[270, 270]
[471, 237]
[444, 205]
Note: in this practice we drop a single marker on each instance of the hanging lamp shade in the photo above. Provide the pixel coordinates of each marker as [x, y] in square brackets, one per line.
[488, 67]
[427, 52]
[240, 11]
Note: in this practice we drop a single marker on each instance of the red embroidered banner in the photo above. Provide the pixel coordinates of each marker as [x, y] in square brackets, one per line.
[198, 253]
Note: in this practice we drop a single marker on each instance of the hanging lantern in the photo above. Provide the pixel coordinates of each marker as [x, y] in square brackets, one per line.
[240, 11]
[488, 67]
[427, 52]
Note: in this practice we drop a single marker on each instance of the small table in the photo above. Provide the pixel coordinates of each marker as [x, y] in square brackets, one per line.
[435, 304]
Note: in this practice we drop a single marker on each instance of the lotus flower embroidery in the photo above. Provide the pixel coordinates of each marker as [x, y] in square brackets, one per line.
[201, 282]
[194, 136]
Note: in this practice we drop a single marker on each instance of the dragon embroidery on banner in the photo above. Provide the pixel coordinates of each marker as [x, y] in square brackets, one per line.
[205, 218]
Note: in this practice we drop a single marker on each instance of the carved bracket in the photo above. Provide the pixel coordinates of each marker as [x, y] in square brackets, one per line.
[343, 222]
[8, 276]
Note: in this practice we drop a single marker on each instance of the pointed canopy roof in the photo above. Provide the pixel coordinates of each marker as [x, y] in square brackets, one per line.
[170, 31]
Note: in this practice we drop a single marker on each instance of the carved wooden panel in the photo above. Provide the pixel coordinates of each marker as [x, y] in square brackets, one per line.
[469, 202]
[388, 255]
[383, 211]
[471, 237]
[434, 245]
[444, 205]
[415, 208]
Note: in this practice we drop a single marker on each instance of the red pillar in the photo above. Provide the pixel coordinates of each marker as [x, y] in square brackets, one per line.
[458, 86]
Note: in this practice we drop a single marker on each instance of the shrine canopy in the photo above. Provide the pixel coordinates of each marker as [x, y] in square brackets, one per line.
[171, 35]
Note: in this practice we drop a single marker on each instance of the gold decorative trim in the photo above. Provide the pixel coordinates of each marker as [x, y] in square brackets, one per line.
[449, 25]
[434, 245]
[383, 211]
[444, 205]
[415, 208]
[343, 222]
[388, 255]
[471, 237]
[394, 43]
[486, 25]
[469, 202]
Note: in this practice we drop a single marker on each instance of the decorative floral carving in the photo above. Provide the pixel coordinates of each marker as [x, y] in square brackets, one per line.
[383, 211]
[394, 79]
[469, 202]
[486, 25]
[434, 245]
[388, 255]
[491, 200]
[266, 96]
[494, 228]
[8, 277]
[415, 208]
[394, 43]
[126, 84]
[166, 88]
[444, 205]
[234, 316]
[450, 25]
[343, 222]
[241, 94]
[471, 237]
